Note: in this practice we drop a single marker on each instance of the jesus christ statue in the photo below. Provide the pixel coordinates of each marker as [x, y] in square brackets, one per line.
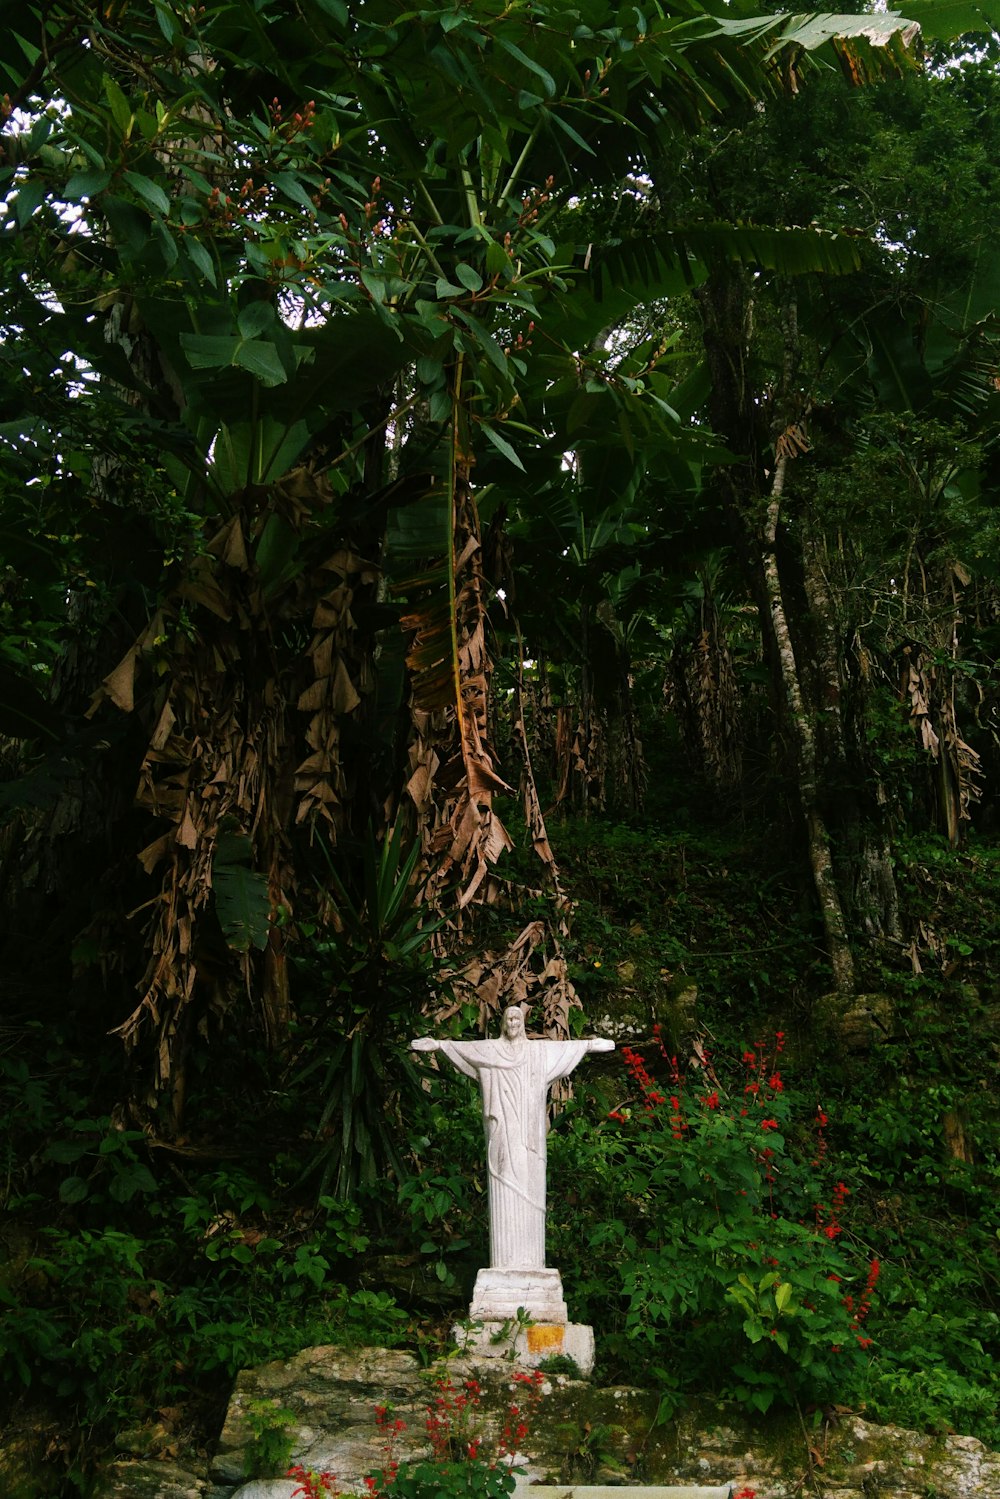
[514, 1075]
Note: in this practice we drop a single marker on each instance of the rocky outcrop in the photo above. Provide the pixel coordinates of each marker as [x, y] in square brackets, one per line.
[317, 1409]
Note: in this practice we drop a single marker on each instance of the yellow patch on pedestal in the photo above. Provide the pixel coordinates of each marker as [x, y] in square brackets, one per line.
[545, 1337]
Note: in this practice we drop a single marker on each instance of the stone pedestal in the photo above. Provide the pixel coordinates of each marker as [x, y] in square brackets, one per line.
[500, 1294]
[527, 1347]
[543, 1330]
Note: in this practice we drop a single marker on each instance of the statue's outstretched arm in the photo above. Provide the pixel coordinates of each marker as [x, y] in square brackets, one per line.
[451, 1049]
[600, 1043]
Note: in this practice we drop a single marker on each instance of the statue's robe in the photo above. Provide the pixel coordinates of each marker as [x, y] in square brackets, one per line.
[514, 1077]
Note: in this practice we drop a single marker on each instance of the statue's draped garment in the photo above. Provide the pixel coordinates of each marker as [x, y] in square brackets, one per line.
[514, 1078]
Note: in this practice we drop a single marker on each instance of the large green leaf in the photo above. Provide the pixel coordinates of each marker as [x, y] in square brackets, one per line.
[660, 264]
[242, 897]
[223, 351]
[942, 20]
[420, 559]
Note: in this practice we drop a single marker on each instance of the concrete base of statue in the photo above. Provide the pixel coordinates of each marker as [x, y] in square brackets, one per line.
[502, 1335]
[500, 1295]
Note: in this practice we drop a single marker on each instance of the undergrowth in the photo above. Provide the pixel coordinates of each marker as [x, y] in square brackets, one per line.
[721, 1192]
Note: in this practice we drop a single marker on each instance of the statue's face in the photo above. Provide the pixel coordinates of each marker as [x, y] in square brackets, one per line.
[513, 1023]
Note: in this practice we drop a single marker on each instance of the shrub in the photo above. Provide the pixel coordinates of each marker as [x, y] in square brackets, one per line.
[717, 1221]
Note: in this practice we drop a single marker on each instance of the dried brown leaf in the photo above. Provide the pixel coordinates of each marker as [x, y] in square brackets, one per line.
[344, 698]
[230, 546]
[164, 727]
[315, 696]
[187, 833]
[155, 851]
[119, 685]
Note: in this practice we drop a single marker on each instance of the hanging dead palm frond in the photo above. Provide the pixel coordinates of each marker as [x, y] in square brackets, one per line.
[435, 552]
[212, 771]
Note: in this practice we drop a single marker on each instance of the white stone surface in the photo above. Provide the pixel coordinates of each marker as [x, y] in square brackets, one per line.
[527, 1347]
[267, 1488]
[514, 1074]
[501, 1294]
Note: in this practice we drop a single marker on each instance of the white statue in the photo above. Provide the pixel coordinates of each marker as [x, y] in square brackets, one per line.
[514, 1074]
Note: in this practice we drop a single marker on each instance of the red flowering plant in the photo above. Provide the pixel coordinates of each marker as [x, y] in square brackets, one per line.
[461, 1462]
[312, 1484]
[727, 1228]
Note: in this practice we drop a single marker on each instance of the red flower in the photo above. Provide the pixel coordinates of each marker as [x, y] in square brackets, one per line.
[769, 1124]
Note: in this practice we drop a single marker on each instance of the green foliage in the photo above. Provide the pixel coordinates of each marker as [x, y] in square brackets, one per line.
[242, 900]
[434, 1200]
[494, 231]
[110, 1157]
[936, 1218]
[937, 1368]
[108, 1322]
[719, 1226]
[453, 1480]
[661, 912]
[270, 1446]
[368, 979]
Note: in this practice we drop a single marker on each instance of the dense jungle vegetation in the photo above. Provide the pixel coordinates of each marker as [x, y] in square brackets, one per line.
[497, 504]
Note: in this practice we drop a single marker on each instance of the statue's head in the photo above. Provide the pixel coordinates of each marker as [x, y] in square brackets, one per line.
[513, 1022]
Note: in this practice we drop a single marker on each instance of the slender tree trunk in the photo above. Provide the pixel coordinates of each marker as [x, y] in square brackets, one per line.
[804, 733]
[866, 875]
[706, 696]
[789, 440]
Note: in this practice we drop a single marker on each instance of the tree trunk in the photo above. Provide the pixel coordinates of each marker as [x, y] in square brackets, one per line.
[804, 736]
[866, 874]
